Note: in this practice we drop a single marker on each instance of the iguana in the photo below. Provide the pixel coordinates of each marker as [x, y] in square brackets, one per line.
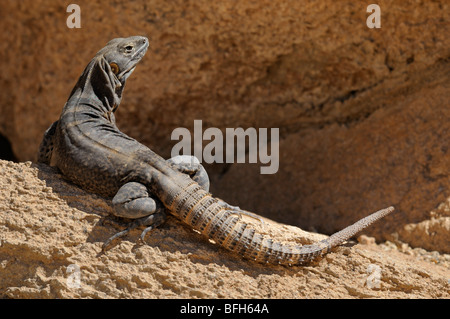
[88, 148]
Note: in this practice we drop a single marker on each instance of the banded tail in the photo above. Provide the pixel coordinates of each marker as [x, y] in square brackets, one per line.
[204, 213]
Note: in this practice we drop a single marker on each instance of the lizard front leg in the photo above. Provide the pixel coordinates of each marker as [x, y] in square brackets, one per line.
[133, 201]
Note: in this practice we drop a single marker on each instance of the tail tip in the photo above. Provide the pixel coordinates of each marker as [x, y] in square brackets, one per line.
[390, 209]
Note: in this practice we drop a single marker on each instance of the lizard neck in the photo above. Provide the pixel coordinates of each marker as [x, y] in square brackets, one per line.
[98, 89]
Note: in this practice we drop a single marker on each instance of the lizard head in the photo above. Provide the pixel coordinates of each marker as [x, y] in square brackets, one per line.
[123, 54]
[107, 72]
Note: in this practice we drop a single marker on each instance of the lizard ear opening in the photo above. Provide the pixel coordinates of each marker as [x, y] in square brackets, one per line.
[114, 68]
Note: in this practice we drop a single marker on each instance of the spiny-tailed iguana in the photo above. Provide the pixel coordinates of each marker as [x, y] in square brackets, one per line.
[88, 148]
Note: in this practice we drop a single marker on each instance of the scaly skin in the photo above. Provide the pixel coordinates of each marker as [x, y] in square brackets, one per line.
[88, 148]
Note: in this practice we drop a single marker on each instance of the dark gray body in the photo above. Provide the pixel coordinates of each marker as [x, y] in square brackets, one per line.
[86, 145]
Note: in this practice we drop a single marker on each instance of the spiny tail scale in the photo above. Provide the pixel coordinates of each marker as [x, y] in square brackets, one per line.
[204, 213]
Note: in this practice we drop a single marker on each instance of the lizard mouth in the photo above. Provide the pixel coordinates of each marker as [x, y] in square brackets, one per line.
[125, 74]
[137, 56]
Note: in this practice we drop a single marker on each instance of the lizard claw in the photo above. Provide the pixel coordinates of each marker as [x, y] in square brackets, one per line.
[122, 233]
[238, 211]
[110, 239]
[145, 231]
[152, 221]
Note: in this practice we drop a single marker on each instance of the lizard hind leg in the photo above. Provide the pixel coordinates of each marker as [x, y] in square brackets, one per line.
[133, 201]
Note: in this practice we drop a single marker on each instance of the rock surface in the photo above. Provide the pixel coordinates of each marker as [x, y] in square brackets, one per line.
[51, 234]
[364, 114]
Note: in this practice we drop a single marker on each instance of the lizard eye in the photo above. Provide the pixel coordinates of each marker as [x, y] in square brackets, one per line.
[128, 48]
[114, 67]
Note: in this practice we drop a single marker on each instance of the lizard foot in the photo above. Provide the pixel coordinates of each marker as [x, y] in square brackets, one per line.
[191, 166]
[151, 222]
[238, 211]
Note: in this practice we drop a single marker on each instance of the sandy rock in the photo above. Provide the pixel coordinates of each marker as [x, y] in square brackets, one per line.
[51, 234]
